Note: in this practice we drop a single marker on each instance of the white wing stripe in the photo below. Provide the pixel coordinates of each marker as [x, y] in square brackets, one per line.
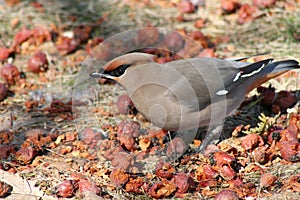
[253, 72]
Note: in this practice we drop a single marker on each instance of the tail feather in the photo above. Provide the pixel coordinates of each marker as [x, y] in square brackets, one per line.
[285, 65]
[273, 70]
[267, 66]
[258, 73]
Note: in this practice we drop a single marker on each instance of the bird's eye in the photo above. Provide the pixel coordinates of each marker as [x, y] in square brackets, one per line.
[119, 71]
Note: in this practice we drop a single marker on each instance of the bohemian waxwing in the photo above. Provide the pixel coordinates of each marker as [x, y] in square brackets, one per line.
[189, 93]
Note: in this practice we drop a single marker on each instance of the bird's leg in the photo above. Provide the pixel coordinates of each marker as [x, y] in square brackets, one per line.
[180, 142]
[212, 136]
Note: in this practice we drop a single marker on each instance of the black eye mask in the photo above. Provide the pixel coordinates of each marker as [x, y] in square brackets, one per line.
[119, 71]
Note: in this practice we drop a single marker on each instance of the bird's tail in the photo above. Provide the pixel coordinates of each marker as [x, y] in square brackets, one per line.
[254, 74]
[271, 70]
[268, 66]
[284, 65]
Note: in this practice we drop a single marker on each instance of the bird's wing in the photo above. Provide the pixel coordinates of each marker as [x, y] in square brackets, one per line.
[201, 79]
[211, 79]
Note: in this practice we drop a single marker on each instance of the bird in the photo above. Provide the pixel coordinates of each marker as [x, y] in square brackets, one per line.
[186, 94]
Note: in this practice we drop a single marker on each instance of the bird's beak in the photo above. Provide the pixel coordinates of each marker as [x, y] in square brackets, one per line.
[106, 76]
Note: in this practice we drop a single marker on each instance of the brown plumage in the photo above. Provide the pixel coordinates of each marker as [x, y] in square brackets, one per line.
[189, 93]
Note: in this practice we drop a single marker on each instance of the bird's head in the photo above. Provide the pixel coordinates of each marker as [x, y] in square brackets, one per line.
[117, 68]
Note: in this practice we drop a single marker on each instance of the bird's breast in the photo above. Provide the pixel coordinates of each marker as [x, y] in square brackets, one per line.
[154, 103]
